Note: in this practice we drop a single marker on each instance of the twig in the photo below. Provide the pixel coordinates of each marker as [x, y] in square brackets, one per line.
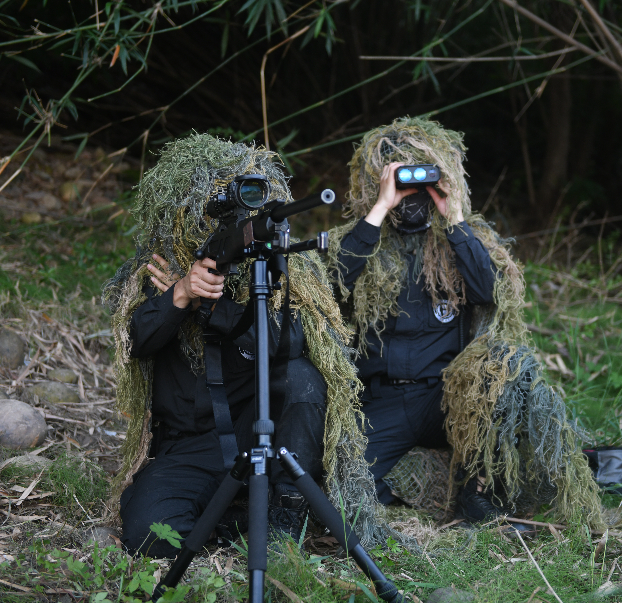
[451, 523]
[23, 517]
[533, 594]
[471, 59]
[547, 231]
[24, 589]
[30, 488]
[286, 591]
[605, 30]
[55, 418]
[33, 363]
[560, 34]
[264, 105]
[537, 566]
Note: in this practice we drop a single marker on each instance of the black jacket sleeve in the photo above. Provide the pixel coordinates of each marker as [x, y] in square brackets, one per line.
[155, 323]
[356, 247]
[474, 264]
[472, 259]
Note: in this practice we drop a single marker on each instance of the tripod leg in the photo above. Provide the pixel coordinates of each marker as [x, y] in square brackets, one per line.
[257, 536]
[206, 523]
[338, 528]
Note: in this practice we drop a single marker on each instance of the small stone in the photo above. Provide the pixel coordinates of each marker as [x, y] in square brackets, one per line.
[101, 535]
[50, 201]
[63, 375]
[73, 172]
[68, 192]
[608, 589]
[31, 217]
[12, 349]
[22, 426]
[53, 392]
[450, 595]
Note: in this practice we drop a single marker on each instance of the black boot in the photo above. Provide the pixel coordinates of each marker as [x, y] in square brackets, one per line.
[286, 512]
[482, 506]
[233, 523]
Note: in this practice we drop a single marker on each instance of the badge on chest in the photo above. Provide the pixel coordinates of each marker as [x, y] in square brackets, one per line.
[443, 312]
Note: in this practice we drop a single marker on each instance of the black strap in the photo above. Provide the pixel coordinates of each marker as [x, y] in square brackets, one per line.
[214, 387]
[214, 391]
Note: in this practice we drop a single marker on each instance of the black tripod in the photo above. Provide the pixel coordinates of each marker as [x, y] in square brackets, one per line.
[256, 463]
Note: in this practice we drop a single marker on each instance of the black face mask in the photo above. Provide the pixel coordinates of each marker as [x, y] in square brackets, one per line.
[413, 212]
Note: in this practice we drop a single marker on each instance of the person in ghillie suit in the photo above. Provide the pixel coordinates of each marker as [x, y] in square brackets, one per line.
[172, 459]
[443, 350]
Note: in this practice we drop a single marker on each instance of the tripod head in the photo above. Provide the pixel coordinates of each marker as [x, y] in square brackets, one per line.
[245, 236]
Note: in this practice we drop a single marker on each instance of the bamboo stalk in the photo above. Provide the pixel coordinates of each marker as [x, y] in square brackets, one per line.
[601, 25]
[471, 59]
[560, 34]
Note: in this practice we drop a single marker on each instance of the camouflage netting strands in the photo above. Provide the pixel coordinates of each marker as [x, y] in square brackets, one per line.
[421, 479]
[495, 393]
[170, 211]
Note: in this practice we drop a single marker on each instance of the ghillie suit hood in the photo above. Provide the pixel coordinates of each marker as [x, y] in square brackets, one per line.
[495, 394]
[170, 211]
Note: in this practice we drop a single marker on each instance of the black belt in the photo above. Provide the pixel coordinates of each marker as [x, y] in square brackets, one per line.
[377, 380]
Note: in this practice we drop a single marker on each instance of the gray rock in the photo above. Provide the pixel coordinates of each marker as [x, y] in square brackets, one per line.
[608, 589]
[100, 534]
[12, 349]
[32, 461]
[63, 375]
[53, 392]
[450, 595]
[22, 426]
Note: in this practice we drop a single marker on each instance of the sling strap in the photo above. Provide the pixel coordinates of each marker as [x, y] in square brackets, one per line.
[212, 388]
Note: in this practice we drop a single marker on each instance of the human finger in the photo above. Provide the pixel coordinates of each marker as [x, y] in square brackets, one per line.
[209, 277]
[434, 194]
[444, 186]
[165, 277]
[160, 285]
[161, 261]
[202, 289]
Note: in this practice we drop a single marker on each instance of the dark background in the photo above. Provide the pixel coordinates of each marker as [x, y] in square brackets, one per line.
[563, 155]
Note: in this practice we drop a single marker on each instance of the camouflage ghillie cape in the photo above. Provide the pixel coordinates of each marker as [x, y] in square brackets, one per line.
[502, 416]
[170, 211]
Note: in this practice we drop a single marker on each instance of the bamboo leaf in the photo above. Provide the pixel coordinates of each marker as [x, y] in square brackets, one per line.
[23, 61]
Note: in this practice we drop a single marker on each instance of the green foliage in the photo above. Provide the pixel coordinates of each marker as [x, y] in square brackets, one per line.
[104, 575]
[578, 332]
[61, 262]
[165, 532]
[208, 585]
[74, 480]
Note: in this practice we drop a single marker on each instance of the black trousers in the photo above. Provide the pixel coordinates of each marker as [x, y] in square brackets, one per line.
[399, 417]
[176, 486]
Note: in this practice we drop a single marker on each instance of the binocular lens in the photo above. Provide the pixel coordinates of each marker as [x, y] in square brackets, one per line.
[420, 174]
[405, 175]
[252, 193]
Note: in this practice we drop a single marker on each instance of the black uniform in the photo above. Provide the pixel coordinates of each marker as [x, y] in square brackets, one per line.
[402, 368]
[188, 467]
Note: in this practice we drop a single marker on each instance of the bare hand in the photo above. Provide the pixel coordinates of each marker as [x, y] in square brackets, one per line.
[442, 203]
[389, 196]
[199, 282]
[162, 279]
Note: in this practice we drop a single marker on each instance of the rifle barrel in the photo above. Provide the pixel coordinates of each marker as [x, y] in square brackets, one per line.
[278, 214]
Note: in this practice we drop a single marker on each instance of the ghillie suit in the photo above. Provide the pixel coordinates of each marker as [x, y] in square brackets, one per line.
[170, 210]
[495, 394]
